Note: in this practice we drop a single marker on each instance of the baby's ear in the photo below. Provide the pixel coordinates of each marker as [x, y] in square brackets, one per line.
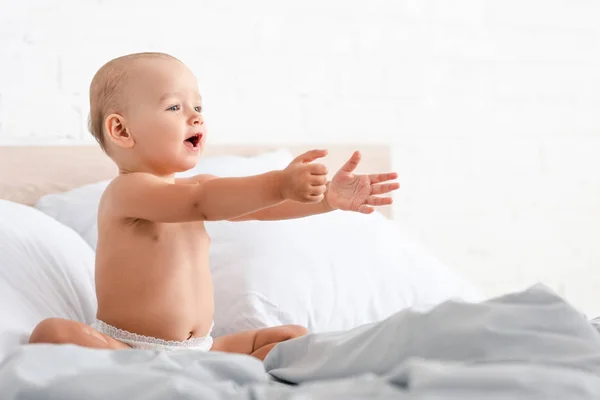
[117, 132]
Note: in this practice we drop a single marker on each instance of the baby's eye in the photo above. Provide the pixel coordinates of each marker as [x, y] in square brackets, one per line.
[198, 109]
[173, 108]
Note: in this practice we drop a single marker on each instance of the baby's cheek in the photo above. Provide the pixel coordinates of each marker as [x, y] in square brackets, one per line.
[157, 130]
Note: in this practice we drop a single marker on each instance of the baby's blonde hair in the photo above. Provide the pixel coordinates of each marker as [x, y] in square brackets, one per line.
[107, 88]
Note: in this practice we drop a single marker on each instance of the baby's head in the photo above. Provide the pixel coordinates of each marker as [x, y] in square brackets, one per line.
[146, 113]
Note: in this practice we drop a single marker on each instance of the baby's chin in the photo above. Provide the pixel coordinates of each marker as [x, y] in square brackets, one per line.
[186, 164]
[170, 163]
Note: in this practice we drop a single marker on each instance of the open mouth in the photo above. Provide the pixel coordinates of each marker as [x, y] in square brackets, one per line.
[193, 141]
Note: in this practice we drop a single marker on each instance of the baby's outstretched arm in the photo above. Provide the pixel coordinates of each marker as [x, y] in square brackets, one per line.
[147, 197]
[346, 191]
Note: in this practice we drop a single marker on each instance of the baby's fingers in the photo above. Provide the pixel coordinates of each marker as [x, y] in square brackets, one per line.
[378, 201]
[384, 188]
[310, 156]
[318, 180]
[365, 209]
[378, 178]
[318, 190]
[317, 198]
[317, 169]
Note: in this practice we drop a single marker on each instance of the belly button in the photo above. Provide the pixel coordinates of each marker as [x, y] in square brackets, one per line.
[191, 334]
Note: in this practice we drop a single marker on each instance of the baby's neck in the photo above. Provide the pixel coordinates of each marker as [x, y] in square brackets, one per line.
[170, 178]
[130, 162]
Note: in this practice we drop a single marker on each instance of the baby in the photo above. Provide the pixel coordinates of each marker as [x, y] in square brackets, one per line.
[153, 279]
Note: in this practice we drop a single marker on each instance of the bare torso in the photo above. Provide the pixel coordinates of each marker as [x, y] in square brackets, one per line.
[152, 278]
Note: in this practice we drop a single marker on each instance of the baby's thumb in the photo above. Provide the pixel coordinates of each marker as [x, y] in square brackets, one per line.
[352, 163]
[310, 156]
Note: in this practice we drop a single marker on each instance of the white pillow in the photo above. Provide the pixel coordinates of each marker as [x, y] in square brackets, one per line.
[46, 270]
[78, 208]
[328, 272]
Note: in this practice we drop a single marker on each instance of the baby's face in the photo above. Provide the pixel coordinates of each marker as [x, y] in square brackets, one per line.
[164, 116]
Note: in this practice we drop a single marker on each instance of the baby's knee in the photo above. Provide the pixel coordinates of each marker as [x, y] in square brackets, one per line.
[293, 331]
[51, 330]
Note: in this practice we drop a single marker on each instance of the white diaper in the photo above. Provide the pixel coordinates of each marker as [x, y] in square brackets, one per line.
[147, 342]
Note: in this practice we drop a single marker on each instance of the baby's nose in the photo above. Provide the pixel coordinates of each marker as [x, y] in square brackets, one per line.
[198, 120]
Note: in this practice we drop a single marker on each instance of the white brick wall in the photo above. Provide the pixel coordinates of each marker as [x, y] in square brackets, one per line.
[492, 106]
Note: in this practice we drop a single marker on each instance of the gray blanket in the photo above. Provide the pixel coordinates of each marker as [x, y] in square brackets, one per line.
[530, 344]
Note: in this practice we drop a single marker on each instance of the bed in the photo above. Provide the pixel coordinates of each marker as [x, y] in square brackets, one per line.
[387, 319]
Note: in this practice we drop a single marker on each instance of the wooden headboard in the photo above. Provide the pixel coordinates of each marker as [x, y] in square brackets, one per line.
[30, 172]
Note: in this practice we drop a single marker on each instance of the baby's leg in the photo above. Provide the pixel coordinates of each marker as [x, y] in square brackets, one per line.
[64, 331]
[258, 342]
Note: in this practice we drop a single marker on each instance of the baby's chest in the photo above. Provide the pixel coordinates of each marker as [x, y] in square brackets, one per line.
[173, 235]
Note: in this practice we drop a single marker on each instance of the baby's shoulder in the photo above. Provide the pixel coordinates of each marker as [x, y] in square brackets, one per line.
[121, 187]
[127, 183]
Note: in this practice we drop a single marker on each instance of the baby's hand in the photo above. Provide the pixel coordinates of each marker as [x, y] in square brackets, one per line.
[305, 182]
[352, 192]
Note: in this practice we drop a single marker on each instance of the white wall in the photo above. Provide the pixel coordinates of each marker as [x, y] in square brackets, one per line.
[492, 106]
